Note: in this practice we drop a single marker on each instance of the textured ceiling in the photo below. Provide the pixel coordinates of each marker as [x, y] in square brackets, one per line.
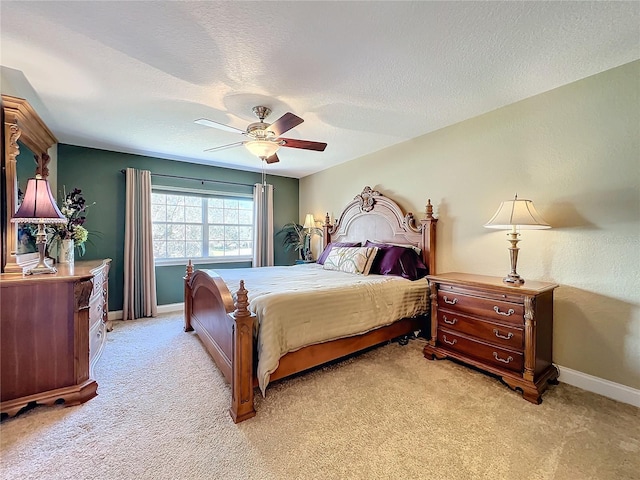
[133, 76]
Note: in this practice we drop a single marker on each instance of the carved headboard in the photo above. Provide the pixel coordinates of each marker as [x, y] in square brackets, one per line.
[372, 216]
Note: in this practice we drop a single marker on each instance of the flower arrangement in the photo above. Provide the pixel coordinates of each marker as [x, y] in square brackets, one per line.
[73, 206]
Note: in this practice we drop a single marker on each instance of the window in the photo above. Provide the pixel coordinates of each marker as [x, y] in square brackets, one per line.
[203, 227]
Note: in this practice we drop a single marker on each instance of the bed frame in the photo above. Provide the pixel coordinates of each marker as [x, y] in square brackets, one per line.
[226, 329]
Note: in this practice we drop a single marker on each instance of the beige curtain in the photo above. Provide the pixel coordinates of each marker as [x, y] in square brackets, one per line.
[139, 270]
[263, 225]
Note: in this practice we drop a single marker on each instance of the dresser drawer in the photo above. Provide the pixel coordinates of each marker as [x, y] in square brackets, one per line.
[96, 312]
[502, 335]
[96, 338]
[484, 307]
[489, 354]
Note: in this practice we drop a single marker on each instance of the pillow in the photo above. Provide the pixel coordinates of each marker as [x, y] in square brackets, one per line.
[325, 253]
[351, 259]
[395, 260]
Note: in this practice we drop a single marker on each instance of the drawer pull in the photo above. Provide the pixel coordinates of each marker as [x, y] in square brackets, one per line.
[505, 337]
[450, 342]
[508, 360]
[450, 322]
[510, 312]
[451, 302]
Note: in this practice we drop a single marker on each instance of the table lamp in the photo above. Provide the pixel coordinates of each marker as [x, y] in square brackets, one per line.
[39, 207]
[513, 215]
[309, 226]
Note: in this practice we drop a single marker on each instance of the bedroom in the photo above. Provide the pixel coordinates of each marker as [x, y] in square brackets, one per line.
[573, 150]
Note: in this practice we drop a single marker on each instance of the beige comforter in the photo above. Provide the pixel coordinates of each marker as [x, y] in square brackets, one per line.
[304, 304]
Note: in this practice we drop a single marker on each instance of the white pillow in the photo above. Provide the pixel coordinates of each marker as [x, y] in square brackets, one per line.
[412, 247]
[351, 259]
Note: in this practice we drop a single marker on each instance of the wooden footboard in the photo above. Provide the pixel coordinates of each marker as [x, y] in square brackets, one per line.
[226, 331]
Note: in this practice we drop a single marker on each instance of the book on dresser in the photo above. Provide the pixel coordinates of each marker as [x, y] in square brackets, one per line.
[502, 329]
[52, 331]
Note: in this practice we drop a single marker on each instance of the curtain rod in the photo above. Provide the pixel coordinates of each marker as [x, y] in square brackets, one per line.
[202, 180]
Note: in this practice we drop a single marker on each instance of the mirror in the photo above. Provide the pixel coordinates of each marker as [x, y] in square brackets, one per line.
[21, 127]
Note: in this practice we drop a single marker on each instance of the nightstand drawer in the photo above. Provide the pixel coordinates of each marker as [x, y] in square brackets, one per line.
[483, 307]
[495, 333]
[489, 354]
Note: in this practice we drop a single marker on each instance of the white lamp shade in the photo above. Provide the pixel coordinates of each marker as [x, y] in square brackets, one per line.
[517, 213]
[262, 148]
[309, 221]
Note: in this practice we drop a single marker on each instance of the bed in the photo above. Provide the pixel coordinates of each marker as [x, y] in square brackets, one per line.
[237, 328]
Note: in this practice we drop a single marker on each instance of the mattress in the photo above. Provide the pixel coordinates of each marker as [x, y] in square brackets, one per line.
[302, 305]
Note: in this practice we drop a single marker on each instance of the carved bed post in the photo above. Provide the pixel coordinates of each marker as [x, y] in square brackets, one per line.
[326, 228]
[429, 238]
[188, 299]
[242, 364]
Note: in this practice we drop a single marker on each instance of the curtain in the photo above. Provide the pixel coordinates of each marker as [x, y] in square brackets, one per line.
[263, 225]
[139, 270]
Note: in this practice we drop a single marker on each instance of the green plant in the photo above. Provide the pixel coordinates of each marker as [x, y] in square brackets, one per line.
[296, 237]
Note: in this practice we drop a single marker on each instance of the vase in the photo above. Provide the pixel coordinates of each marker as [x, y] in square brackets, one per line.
[65, 254]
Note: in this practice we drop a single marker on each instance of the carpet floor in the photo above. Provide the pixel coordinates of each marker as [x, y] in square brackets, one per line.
[388, 413]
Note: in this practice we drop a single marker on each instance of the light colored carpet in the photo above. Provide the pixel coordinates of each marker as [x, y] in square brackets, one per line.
[161, 413]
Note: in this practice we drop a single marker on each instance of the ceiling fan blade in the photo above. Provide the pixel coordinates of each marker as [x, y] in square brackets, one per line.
[273, 158]
[306, 144]
[220, 126]
[223, 147]
[285, 123]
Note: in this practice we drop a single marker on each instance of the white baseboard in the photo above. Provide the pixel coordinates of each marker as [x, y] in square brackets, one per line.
[168, 308]
[598, 385]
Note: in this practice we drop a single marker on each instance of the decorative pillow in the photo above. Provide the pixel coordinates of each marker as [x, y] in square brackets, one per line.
[325, 253]
[395, 260]
[351, 259]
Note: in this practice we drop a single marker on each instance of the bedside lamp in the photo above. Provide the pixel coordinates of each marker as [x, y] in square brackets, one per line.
[38, 206]
[309, 225]
[513, 215]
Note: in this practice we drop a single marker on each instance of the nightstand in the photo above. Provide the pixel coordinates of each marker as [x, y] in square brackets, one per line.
[502, 329]
[300, 262]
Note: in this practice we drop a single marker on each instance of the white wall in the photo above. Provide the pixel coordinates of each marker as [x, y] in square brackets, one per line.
[574, 151]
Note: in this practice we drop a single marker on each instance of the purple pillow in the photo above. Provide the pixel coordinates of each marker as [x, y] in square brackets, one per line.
[400, 261]
[325, 253]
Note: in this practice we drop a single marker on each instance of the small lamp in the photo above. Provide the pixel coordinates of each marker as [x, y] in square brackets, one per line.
[516, 214]
[38, 206]
[309, 225]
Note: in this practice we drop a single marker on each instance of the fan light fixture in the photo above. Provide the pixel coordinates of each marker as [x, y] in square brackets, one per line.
[262, 148]
[511, 215]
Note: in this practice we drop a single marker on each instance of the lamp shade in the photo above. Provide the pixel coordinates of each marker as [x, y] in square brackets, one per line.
[262, 148]
[517, 213]
[309, 221]
[38, 205]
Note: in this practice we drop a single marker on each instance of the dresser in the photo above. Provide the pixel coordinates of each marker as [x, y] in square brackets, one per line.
[502, 329]
[52, 331]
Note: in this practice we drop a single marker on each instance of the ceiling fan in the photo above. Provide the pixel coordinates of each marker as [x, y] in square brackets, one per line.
[264, 138]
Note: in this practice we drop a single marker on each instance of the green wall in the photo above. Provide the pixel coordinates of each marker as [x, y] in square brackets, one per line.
[98, 174]
[25, 167]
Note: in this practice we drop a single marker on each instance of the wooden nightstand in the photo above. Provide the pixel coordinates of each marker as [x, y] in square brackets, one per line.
[506, 330]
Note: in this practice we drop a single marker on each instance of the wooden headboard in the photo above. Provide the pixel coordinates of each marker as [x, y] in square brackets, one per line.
[372, 216]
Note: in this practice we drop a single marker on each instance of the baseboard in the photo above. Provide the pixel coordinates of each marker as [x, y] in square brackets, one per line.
[609, 389]
[168, 308]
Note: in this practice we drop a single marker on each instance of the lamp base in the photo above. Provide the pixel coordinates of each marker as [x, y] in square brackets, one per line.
[513, 279]
[41, 268]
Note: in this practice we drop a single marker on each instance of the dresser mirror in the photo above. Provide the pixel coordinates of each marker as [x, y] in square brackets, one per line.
[21, 128]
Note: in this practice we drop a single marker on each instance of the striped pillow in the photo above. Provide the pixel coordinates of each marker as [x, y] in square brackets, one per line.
[351, 259]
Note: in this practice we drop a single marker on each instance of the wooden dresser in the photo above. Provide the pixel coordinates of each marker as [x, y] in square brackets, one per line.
[52, 330]
[505, 330]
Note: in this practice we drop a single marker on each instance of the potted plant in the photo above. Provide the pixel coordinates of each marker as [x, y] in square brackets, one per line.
[296, 237]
